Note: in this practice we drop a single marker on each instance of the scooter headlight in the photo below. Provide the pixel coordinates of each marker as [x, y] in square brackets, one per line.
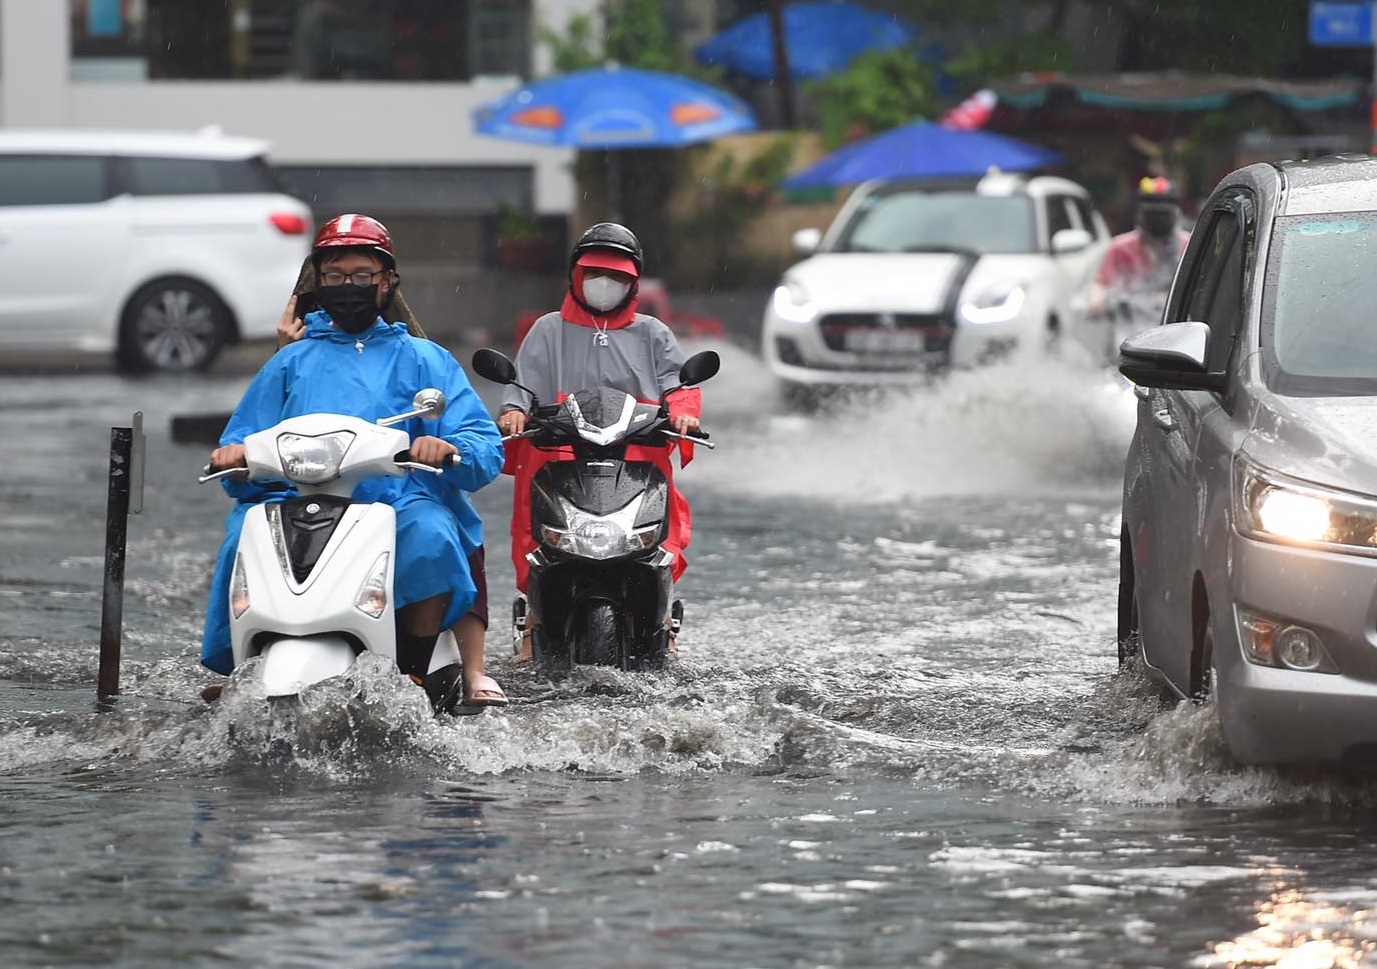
[313, 460]
[600, 536]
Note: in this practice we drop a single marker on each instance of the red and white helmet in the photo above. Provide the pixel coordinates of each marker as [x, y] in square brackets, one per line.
[354, 231]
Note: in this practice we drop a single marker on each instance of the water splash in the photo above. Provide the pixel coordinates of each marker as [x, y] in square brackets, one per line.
[1026, 427]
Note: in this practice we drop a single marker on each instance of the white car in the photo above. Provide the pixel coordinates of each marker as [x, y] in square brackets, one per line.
[160, 248]
[914, 276]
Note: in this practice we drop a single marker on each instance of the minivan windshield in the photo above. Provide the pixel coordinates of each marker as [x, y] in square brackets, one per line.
[940, 221]
[1319, 332]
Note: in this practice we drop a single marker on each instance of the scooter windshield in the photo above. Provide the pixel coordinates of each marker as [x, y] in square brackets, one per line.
[603, 415]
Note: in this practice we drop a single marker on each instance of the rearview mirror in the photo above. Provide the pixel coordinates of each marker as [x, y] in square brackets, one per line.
[806, 241]
[1173, 357]
[494, 366]
[699, 368]
[1071, 240]
[430, 401]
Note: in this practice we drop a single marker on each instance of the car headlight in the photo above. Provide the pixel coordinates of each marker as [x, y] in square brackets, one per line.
[313, 460]
[792, 305]
[1277, 508]
[997, 304]
[600, 536]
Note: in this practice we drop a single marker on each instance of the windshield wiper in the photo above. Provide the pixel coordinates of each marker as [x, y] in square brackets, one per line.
[966, 251]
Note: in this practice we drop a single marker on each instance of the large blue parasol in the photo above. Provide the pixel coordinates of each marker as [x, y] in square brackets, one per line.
[923, 150]
[614, 107]
[821, 38]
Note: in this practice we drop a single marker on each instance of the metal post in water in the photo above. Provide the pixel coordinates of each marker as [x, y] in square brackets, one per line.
[126, 479]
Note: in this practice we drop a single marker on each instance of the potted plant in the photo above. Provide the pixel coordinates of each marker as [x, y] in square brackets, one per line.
[523, 243]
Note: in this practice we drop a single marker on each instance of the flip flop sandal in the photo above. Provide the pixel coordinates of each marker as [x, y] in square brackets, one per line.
[495, 697]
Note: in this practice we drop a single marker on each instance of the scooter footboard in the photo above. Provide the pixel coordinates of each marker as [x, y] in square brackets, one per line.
[290, 664]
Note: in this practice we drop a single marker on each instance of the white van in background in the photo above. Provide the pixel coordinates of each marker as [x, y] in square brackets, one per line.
[161, 248]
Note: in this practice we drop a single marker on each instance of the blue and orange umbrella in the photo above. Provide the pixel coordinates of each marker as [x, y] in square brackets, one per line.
[614, 107]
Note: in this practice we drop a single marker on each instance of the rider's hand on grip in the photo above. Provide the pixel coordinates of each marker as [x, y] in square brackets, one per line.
[434, 451]
[227, 457]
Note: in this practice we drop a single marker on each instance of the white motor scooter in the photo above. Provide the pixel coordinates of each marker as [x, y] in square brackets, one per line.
[311, 587]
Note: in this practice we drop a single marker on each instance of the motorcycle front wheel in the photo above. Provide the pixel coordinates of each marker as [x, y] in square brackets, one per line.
[598, 639]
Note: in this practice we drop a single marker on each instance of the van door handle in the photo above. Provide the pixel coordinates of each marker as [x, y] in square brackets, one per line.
[1163, 419]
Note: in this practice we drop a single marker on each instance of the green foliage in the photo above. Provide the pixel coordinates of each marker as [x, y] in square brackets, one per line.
[577, 49]
[974, 67]
[636, 35]
[878, 91]
[735, 193]
[518, 225]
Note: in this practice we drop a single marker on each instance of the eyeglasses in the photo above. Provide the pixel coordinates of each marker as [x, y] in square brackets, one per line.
[360, 278]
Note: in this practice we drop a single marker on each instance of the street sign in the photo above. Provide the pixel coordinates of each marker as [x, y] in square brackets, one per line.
[1341, 24]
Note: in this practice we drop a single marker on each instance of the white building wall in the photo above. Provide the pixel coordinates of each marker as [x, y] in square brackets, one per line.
[426, 123]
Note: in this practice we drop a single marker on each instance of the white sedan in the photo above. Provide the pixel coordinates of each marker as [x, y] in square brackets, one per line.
[914, 277]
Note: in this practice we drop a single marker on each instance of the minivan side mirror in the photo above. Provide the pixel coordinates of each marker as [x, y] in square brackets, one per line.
[806, 241]
[1172, 357]
[1071, 240]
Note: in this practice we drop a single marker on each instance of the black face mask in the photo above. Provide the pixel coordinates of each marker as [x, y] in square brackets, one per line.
[353, 308]
[1158, 223]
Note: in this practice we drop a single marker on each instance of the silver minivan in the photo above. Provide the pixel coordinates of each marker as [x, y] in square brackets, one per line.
[160, 248]
[1249, 538]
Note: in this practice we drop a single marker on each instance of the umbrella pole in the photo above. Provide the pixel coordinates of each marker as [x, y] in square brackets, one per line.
[614, 184]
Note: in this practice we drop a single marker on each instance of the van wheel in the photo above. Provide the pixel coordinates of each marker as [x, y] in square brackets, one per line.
[1203, 675]
[172, 326]
[1129, 633]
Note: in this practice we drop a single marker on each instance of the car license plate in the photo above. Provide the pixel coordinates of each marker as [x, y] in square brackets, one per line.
[885, 341]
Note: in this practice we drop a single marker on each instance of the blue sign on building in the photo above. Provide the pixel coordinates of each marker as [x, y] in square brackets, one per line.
[1341, 24]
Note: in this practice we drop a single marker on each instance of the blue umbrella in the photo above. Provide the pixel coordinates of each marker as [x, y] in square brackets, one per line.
[923, 150]
[821, 38]
[614, 107]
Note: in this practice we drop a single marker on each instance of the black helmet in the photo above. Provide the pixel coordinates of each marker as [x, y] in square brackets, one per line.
[609, 235]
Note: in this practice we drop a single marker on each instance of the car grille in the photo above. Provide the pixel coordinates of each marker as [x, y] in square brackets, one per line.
[886, 334]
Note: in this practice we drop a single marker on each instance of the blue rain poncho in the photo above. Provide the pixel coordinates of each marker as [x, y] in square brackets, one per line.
[373, 374]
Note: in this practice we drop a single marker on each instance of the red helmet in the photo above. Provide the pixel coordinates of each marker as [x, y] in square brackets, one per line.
[355, 232]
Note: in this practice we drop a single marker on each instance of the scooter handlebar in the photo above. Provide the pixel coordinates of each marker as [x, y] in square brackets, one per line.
[451, 461]
[208, 475]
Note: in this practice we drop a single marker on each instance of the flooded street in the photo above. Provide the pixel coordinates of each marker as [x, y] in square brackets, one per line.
[896, 735]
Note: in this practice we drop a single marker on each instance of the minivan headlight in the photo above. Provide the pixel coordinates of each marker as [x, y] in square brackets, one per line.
[1277, 508]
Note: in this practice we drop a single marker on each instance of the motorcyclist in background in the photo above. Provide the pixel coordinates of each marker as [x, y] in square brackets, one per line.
[1134, 280]
[352, 361]
[597, 339]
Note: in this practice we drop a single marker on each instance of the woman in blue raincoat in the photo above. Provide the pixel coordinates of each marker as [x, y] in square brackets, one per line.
[351, 361]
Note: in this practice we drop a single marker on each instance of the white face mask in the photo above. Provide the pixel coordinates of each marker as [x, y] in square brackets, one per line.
[604, 292]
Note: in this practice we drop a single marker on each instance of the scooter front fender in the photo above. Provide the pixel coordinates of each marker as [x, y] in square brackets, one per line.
[289, 665]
